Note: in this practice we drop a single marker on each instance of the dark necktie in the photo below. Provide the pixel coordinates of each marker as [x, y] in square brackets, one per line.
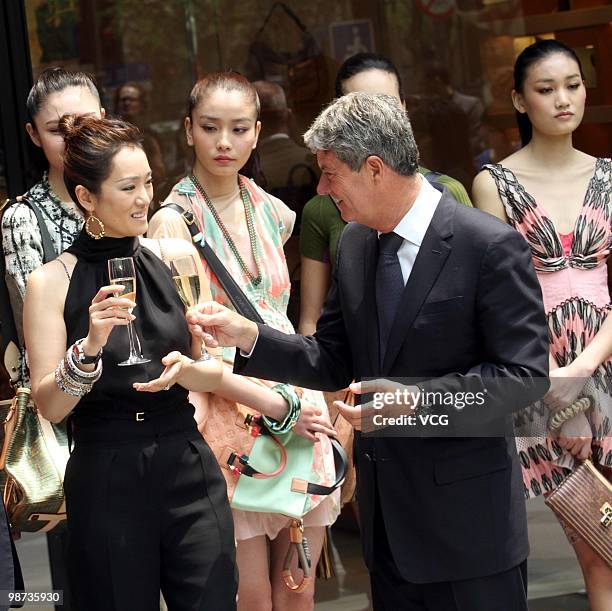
[389, 286]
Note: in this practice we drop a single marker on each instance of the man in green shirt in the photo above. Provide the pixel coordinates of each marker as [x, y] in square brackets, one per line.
[321, 221]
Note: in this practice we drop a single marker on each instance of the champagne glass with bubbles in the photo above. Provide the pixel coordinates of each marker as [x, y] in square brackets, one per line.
[187, 282]
[122, 271]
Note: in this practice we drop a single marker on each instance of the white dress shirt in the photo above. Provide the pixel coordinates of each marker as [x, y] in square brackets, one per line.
[414, 224]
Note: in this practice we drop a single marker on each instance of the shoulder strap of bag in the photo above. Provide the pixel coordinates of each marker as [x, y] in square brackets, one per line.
[341, 466]
[234, 292]
[49, 252]
[7, 317]
[282, 6]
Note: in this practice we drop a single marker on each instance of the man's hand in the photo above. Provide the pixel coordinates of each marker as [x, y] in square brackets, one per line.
[219, 326]
[361, 416]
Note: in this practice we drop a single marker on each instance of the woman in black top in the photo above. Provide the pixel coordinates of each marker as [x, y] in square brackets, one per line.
[146, 502]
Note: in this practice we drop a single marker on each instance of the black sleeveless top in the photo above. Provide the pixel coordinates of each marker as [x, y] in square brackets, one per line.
[160, 324]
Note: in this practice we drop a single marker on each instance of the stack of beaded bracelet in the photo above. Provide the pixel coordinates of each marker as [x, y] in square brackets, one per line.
[556, 419]
[293, 413]
[72, 380]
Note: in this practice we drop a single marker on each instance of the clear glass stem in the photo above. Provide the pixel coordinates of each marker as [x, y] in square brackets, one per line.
[204, 354]
[133, 353]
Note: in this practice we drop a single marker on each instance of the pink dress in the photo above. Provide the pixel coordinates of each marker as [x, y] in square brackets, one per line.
[573, 273]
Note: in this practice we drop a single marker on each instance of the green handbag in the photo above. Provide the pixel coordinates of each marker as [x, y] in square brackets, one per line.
[270, 472]
[33, 462]
[287, 492]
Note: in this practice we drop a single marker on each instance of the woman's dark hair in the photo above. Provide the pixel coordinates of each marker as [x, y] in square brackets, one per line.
[54, 80]
[529, 56]
[91, 145]
[51, 80]
[356, 64]
[228, 81]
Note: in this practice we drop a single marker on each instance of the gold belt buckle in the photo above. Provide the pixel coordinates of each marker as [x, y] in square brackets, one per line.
[139, 416]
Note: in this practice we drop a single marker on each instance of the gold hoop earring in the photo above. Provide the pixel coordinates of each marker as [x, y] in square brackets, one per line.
[95, 236]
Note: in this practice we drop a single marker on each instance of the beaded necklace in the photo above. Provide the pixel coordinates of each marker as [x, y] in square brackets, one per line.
[248, 213]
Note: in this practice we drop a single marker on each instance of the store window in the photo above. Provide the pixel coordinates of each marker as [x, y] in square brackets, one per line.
[452, 54]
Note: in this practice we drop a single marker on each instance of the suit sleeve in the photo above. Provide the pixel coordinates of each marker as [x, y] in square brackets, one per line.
[514, 337]
[322, 361]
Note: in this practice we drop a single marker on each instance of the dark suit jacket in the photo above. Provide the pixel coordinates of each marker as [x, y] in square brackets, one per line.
[471, 314]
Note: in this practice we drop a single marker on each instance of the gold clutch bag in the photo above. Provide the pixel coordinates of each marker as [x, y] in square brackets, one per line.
[33, 463]
[583, 500]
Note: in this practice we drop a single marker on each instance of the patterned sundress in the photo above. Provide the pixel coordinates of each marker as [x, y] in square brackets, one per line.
[270, 298]
[572, 270]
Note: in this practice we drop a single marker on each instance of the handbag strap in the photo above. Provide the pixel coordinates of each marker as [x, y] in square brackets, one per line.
[341, 466]
[7, 316]
[49, 252]
[234, 292]
[282, 6]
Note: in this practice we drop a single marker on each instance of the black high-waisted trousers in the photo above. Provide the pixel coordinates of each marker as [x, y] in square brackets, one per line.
[147, 510]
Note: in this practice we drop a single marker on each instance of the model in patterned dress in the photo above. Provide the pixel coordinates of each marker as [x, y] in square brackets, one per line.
[560, 200]
[246, 227]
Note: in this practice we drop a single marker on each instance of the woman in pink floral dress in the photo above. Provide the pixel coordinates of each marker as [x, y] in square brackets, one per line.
[560, 199]
[246, 227]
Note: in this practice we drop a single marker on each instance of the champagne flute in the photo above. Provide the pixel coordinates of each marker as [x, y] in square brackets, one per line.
[187, 282]
[122, 271]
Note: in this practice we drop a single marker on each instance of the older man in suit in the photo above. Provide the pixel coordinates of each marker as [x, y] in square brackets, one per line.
[426, 288]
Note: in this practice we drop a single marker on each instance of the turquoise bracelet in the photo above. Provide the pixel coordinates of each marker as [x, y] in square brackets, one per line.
[293, 413]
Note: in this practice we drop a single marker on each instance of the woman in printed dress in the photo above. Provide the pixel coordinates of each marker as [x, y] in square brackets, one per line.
[560, 199]
[246, 227]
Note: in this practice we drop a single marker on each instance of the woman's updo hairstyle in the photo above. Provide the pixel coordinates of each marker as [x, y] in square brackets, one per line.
[529, 56]
[91, 145]
[227, 81]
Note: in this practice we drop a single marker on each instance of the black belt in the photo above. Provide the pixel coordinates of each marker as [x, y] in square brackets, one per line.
[117, 426]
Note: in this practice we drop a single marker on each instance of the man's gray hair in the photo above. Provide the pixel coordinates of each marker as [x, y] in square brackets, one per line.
[359, 125]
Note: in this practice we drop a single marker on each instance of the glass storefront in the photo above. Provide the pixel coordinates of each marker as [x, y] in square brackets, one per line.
[457, 52]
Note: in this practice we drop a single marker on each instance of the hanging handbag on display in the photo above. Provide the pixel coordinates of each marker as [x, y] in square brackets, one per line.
[265, 471]
[302, 73]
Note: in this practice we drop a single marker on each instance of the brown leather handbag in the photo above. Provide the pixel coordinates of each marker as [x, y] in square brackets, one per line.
[583, 500]
[345, 434]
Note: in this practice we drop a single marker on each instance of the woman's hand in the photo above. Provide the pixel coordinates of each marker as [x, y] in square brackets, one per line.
[576, 437]
[565, 387]
[174, 363]
[311, 421]
[106, 312]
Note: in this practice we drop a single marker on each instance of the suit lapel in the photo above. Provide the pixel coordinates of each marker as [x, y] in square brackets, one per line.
[428, 264]
[371, 322]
